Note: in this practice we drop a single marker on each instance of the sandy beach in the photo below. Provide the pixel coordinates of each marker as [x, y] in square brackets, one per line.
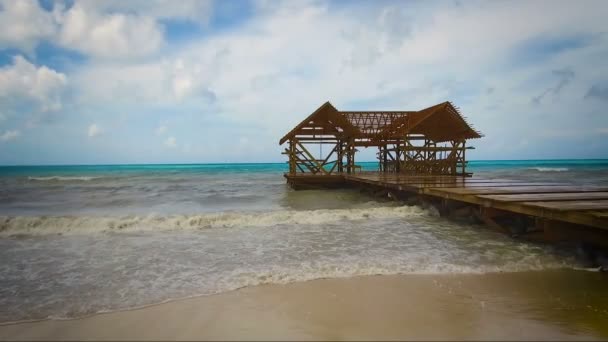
[503, 306]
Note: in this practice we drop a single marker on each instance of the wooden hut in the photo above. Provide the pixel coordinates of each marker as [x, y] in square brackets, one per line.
[429, 141]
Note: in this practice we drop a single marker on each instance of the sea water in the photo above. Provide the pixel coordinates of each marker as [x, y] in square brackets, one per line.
[78, 240]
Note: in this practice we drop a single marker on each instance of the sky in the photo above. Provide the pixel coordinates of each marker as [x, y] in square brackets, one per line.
[153, 81]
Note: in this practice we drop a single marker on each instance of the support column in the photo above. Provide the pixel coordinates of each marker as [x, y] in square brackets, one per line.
[464, 160]
[398, 157]
[350, 156]
[384, 158]
[292, 154]
[340, 151]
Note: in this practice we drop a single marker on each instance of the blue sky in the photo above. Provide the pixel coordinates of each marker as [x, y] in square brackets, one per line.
[153, 81]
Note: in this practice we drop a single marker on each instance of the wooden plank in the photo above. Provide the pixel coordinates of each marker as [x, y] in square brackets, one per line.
[571, 205]
[600, 214]
[438, 180]
[514, 190]
[313, 175]
[425, 180]
[477, 185]
[311, 158]
[458, 185]
[585, 205]
[558, 196]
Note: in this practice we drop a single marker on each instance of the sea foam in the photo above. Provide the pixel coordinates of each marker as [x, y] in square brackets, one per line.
[43, 225]
[551, 169]
[62, 178]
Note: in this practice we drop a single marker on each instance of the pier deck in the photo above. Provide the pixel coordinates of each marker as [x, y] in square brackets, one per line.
[541, 201]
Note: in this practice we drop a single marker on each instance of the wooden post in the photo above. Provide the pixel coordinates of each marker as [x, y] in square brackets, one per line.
[398, 157]
[319, 167]
[464, 160]
[385, 157]
[292, 157]
[339, 152]
[350, 156]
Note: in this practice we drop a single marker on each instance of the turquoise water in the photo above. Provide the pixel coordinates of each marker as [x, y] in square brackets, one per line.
[473, 166]
[76, 240]
[196, 188]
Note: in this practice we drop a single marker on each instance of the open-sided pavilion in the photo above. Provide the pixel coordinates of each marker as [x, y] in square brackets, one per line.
[431, 141]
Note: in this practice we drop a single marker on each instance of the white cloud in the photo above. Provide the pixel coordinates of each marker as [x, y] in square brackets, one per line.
[24, 23]
[252, 72]
[186, 148]
[93, 130]
[274, 68]
[190, 10]
[110, 29]
[171, 142]
[160, 130]
[165, 81]
[23, 80]
[114, 36]
[103, 29]
[10, 135]
[182, 86]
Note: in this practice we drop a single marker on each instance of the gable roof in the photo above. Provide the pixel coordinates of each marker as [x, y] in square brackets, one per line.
[441, 122]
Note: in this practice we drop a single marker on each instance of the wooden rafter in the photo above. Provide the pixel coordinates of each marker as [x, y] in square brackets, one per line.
[397, 134]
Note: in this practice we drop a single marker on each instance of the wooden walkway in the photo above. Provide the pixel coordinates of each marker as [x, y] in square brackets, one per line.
[576, 204]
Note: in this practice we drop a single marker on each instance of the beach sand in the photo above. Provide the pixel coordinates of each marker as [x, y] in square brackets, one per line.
[547, 305]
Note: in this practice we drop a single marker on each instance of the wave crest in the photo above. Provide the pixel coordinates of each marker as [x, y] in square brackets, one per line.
[62, 178]
[44, 225]
[551, 169]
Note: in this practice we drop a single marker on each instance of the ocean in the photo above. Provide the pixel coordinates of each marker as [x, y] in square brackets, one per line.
[79, 240]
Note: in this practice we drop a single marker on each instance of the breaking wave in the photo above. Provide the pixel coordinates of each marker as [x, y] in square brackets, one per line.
[62, 178]
[43, 225]
[551, 169]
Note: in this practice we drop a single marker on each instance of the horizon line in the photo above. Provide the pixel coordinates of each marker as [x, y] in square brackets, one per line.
[266, 163]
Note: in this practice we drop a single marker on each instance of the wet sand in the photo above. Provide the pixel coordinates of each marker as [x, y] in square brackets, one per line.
[556, 305]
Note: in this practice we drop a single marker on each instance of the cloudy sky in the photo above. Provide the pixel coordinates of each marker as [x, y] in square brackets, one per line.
[152, 81]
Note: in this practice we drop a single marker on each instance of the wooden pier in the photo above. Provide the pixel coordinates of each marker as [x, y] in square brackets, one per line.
[421, 159]
[558, 211]
[585, 205]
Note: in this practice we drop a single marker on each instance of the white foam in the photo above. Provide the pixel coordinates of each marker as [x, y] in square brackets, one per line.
[551, 169]
[43, 225]
[180, 265]
[286, 276]
[241, 278]
[62, 178]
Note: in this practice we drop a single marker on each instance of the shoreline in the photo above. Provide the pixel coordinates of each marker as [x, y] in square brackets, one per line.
[242, 288]
[449, 306]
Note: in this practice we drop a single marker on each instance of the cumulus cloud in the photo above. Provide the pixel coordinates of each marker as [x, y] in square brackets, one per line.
[93, 130]
[189, 10]
[170, 142]
[24, 24]
[10, 135]
[23, 80]
[102, 29]
[271, 69]
[564, 77]
[598, 91]
[160, 130]
[165, 81]
[447, 52]
[113, 35]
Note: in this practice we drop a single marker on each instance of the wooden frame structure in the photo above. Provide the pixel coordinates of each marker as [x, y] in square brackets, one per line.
[430, 141]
